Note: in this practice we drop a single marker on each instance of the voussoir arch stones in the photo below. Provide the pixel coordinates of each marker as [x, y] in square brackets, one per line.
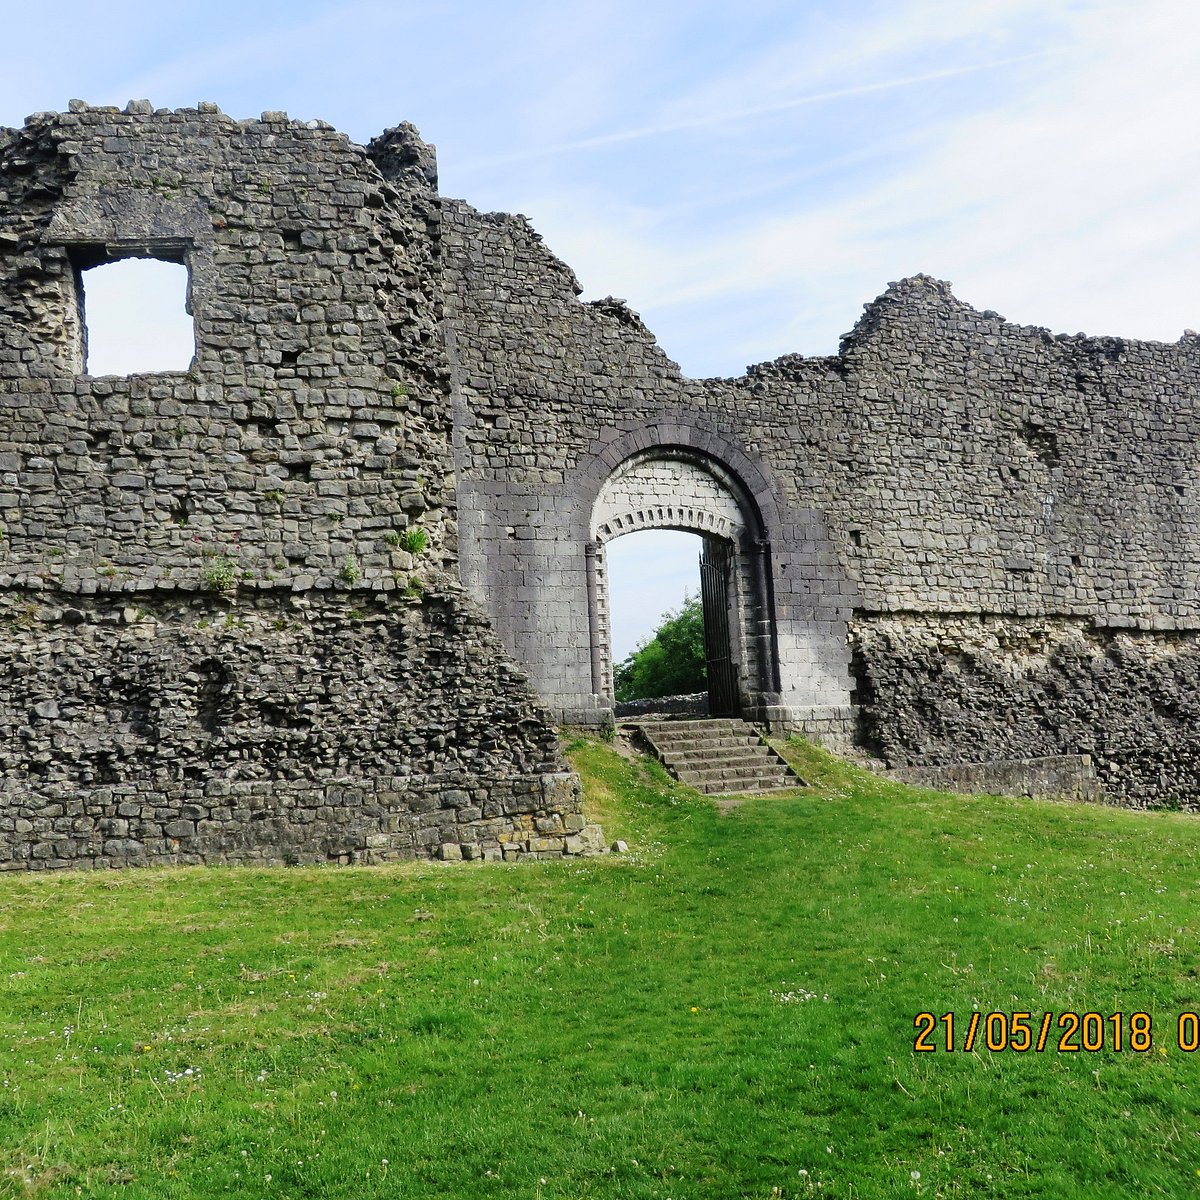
[675, 475]
[788, 600]
[665, 488]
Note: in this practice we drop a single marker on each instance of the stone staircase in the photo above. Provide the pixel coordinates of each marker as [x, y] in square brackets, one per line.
[720, 756]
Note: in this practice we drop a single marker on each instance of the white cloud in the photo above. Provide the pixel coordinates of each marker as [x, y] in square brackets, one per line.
[903, 46]
[1064, 199]
[733, 116]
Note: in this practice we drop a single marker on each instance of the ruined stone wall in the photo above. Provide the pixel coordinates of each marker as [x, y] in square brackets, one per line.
[940, 690]
[551, 396]
[161, 727]
[1020, 514]
[969, 464]
[230, 622]
[1001, 526]
[313, 422]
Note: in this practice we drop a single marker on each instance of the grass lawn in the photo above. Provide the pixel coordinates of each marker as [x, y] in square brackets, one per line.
[727, 1011]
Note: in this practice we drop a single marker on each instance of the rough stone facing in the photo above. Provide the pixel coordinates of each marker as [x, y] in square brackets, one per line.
[232, 626]
[219, 639]
[938, 689]
[983, 540]
[1068, 776]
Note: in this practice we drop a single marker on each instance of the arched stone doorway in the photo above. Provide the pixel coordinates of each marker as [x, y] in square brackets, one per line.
[681, 487]
[532, 551]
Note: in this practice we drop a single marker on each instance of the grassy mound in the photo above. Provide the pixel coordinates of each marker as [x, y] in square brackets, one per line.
[726, 1011]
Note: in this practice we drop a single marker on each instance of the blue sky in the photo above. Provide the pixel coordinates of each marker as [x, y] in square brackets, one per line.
[745, 178]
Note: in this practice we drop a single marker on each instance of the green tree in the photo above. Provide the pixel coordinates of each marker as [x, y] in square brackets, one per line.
[671, 662]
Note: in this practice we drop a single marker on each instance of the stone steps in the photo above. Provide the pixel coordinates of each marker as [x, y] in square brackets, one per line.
[718, 756]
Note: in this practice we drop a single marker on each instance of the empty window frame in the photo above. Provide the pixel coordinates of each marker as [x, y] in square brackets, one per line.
[136, 313]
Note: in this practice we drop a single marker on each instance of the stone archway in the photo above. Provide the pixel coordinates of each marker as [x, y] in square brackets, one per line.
[681, 487]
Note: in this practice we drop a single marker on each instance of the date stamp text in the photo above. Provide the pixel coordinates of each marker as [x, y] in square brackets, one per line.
[1050, 1033]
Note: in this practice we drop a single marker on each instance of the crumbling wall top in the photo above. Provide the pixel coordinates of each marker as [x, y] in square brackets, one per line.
[312, 429]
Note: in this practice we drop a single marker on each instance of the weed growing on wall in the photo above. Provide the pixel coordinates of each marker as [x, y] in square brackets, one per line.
[219, 574]
[414, 540]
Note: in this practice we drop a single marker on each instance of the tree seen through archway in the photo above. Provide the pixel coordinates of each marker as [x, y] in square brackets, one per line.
[669, 663]
[657, 619]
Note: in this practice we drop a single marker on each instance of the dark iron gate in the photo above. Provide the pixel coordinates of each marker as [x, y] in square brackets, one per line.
[716, 564]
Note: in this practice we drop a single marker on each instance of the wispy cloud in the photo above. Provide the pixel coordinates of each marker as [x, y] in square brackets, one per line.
[1064, 199]
[707, 120]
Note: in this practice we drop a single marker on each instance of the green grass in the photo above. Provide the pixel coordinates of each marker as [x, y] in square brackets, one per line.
[634, 1026]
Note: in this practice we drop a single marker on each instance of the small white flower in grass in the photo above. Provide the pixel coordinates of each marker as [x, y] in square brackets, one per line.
[914, 1176]
[794, 994]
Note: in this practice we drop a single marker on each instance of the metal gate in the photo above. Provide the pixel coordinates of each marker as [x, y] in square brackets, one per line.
[716, 564]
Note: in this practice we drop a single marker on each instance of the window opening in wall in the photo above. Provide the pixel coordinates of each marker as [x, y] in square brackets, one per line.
[136, 317]
[654, 587]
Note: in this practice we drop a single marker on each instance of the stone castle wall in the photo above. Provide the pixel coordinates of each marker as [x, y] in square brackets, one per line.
[230, 622]
[313, 422]
[984, 538]
[233, 620]
[551, 397]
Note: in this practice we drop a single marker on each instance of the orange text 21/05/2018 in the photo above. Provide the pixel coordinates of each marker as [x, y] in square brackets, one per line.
[1040, 1033]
